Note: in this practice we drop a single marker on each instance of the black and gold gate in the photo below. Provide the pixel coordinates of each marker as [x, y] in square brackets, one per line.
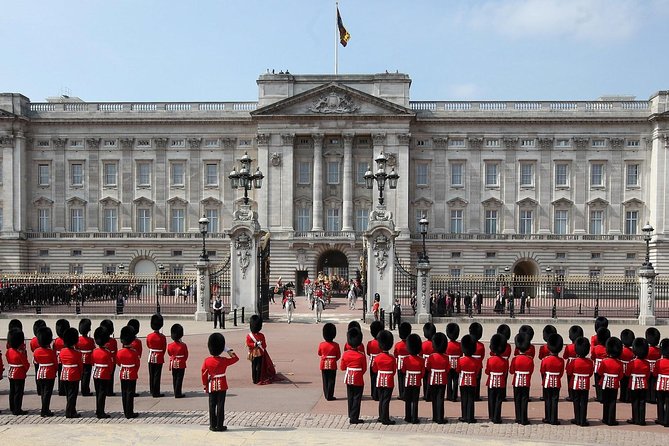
[405, 288]
[219, 284]
[262, 304]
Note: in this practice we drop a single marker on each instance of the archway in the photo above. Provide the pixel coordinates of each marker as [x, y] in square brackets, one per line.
[144, 266]
[525, 272]
[526, 267]
[334, 264]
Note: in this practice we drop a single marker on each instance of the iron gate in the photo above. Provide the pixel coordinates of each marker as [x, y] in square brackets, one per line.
[405, 288]
[219, 284]
[262, 305]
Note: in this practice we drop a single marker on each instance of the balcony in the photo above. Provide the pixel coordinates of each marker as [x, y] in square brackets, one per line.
[124, 235]
[534, 237]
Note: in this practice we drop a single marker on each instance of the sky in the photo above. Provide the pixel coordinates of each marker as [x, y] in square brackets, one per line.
[214, 50]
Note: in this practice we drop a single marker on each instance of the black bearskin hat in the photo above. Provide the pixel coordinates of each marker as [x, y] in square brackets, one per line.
[108, 325]
[15, 338]
[664, 348]
[614, 347]
[522, 341]
[476, 331]
[505, 331]
[640, 348]
[549, 330]
[156, 322]
[61, 326]
[44, 337]
[375, 328]
[527, 329]
[575, 332]
[439, 342]
[582, 347]
[255, 323]
[70, 337]
[216, 344]
[385, 340]
[177, 332]
[603, 335]
[101, 336]
[601, 322]
[453, 331]
[627, 337]
[555, 343]
[134, 323]
[652, 336]
[85, 326]
[39, 323]
[429, 330]
[497, 344]
[15, 324]
[127, 335]
[414, 344]
[353, 324]
[354, 338]
[329, 331]
[468, 345]
[404, 330]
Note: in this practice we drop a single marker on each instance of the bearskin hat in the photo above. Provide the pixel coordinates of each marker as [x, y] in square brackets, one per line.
[329, 331]
[44, 337]
[354, 338]
[108, 325]
[664, 348]
[505, 331]
[39, 323]
[429, 330]
[453, 331]
[134, 323]
[582, 347]
[603, 335]
[15, 324]
[497, 344]
[414, 344]
[85, 326]
[177, 332]
[640, 348]
[439, 342]
[15, 338]
[61, 326]
[255, 323]
[548, 330]
[404, 330]
[614, 347]
[522, 341]
[385, 340]
[216, 344]
[652, 336]
[575, 332]
[555, 343]
[156, 322]
[527, 329]
[476, 331]
[353, 324]
[127, 335]
[375, 328]
[468, 345]
[101, 336]
[70, 337]
[601, 322]
[627, 337]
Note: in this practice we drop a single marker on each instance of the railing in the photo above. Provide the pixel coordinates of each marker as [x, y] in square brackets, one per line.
[126, 235]
[662, 297]
[38, 108]
[328, 234]
[582, 237]
[531, 106]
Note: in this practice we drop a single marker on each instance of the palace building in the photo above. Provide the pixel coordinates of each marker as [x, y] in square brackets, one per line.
[88, 186]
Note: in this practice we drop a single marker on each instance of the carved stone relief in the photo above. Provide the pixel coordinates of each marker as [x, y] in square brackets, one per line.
[263, 139]
[381, 247]
[161, 143]
[379, 139]
[194, 143]
[334, 103]
[275, 159]
[510, 143]
[404, 138]
[288, 139]
[475, 142]
[6, 141]
[243, 248]
[581, 143]
[228, 143]
[127, 143]
[59, 143]
[546, 143]
[616, 143]
[440, 143]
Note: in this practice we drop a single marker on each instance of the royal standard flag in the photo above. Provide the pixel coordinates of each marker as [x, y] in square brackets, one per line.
[344, 36]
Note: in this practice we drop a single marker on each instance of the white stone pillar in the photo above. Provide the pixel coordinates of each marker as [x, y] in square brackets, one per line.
[647, 295]
[402, 194]
[380, 240]
[203, 290]
[243, 260]
[317, 205]
[423, 297]
[348, 183]
[263, 194]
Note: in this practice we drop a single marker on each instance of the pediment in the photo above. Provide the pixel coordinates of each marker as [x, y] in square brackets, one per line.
[457, 202]
[423, 202]
[563, 202]
[211, 201]
[143, 201]
[43, 202]
[598, 202]
[492, 202]
[633, 202]
[332, 100]
[76, 201]
[109, 201]
[178, 201]
[527, 202]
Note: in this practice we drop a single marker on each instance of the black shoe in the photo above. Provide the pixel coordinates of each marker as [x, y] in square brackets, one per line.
[614, 423]
[585, 424]
[472, 421]
[159, 395]
[357, 421]
[213, 429]
[461, 419]
[407, 419]
[46, 414]
[20, 412]
[525, 423]
[416, 421]
[556, 423]
[103, 416]
[86, 394]
[111, 394]
[132, 415]
[388, 422]
[135, 395]
[573, 421]
[182, 395]
[444, 421]
[630, 421]
[544, 420]
[76, 415]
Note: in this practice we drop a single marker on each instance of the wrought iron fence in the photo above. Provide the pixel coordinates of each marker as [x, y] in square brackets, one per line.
[662, 297]
[405, 288]
[219, 282]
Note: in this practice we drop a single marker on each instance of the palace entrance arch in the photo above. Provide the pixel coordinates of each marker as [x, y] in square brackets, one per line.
[333, 263]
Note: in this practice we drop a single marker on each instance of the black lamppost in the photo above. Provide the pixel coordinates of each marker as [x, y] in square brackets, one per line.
[161, 284]
[552, 288]
[381, 176]
[647, 235]
[509, 291]
[422, 225]
[204, 225]
[244, 178]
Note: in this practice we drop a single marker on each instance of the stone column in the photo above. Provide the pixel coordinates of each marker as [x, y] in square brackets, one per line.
[401, 196]
[203, 290]
[60, 213]
[8, 179]
[348, 183]
[244, 236]
[380, 241]
[263, 194]
[317, 205]
[285, 162]
[647, 295]
[423, 314]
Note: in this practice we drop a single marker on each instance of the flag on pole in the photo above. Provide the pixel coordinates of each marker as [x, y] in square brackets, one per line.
[344, 36]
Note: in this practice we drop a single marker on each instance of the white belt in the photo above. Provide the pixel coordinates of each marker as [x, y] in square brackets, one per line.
[635, 380]
[153, 350]
[517, 376]
[476, 356]
[382, 372]
[179, 356]
[548, 377]
[576, 377]
[128, 366]
[400, 361]
[101, 365]
[85, 351]
[45, 365]
[15, 365]
[330, 357]
[349, 374]
[220, 375]
[608, 377]
[69, 366]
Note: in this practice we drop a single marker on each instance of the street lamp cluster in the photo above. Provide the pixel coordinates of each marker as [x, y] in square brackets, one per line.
[381, 176]
[647, 235]
[244, 179]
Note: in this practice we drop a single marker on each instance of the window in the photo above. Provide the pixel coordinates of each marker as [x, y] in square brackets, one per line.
[595, 273]
[177, 253]
[77, 174]
[598, 143]
[143, 220]
[361, 219]
[77, 143]
[0, 170]
[527, 174]
[76, 268]
[456, 142]
[2, 218]
[304, 172]
[560, 255]
[596, 222]
[631, 222]
[561, 224]
[109, 269]
[490, 255]
[333, 220]
[525, 226]
[303, 223]
[419, 213]
[421, 174]
[562, 143]
[457, 173]
[43, 175]
[178, 220]
[454, 272]
[595, 255]
[633, 143]
[491, 221]
[456, 254]
[44, 269]
[630, 273]
[527, 143]
[632, 175]
[110, 220]
[211, 253]
[144, 174]
[76, 253]
[491, 174]
[109, 172]
[211, 174]
[597, 175]
[212, 216]
[43, 252]
[492, 142]
[360, 173]
[562, 175]
[177, 269]
[333, 172]
[177, 171]
[490, 272]
[44, 220]
[110, 252]
[211, 142]
[457, 225]
[77, 220]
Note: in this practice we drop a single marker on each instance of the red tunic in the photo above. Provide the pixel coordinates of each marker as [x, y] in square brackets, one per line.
[86, 345]
[128, 360]
[569, 354]
[47, 364]
[522, 367]
[625, 357]
[103, 362]
[426, 350]
[17, 364]
[72, 365]
[479, 354]
[531, 352]
[662, 373]
[552, 369]
[157, 344]
[453, 351]
[384, 365]
[653, 356]
[137, 346]
[355, 364]
[638, 371]
[413, 367]
[400, 352]
[468, 368]
[259, 337]
[610, 372]
[329, 353]
[213, 373]
[496, 368]
[579, 371]
[112, 347]
[58, 345]
[507, 352]
[373, 350]
[598, 355]
[361, 348]
[178, 353]
[543, 352]
[593, 342]
[437, 367]
[34, 345]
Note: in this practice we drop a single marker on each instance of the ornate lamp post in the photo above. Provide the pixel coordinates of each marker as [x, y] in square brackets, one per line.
[423, 224]
[647, 277]
[161, 284]
[381, 176]
[647, 235]
[204, 225]
[244, 179]
[552, 288]
[509, 292]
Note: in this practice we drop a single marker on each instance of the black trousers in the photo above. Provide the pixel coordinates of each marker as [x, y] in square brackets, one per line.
[477, 391]
[467, 395]
[400, 384]
[36, 366]
[110, 382]
[372, 379]
[86, 379]
[662, 398]
[256, 368]
[452, 386]
[426, 387]
[625, 395]
[551, 398]
[638, 400]
[61, 389]
[128, 387]
[580, 402]
[354, 396]
[329, 379]
[521, 398]
[598, 389]
[178, 381]
[16, 388]
[385, 395]
[45, 390]
[155, 370]
[652, 386]
[495, 399]
[411, 397]
[101, 388]
[437, 394]
[218, 318]
[71, 392]
[609, 397]
[216, 409]
[570, 391]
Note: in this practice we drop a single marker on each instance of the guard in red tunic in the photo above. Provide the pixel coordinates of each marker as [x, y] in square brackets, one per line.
[330, 353]
[476, 332]
[527, 329]
[47, 365]
[384, 366]
[653, 338]
[137, 343]
[15, 324]
[413, 368]
[373, 350]
[112, 347]
[400, 352]
[575, 332]
[454, 352]
[178, 353]
[610, 372]
[600, 322]
[522, 367]
[361, 347]
[437, 368]
[128, 362]
[496, 368]
[34, 345]
[214, 381]
[354, 363]
[156, 344]
[70, 359]
[468, 368]
[552, 369]
[627, 337]
[85, 346]
[505, 331]
[638, 372]
[579, 370]
[103, 364]
[598, 354]
[17, 368]
[426, 350]
[661, 373]
[543, 350]
[58, 344]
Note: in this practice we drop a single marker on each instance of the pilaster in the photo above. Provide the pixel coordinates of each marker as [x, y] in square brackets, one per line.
[423, 314]
[348, 183]
[317, 201]
[244, 236]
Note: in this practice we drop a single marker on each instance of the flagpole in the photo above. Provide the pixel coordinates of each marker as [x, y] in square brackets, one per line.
[336, 41]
